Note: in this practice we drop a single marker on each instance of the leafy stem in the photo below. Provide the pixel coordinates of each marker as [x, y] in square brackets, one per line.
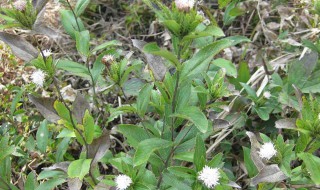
[74, 14]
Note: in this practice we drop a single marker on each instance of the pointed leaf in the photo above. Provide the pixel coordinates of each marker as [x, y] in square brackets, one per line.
[79, 168]
[88, 124]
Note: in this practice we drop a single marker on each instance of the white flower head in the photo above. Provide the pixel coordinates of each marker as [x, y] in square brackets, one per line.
[184, 5]
[47, 52]
[206, 22]
[267, 94]
[20, 5]
[209, 176]
[38, 77]
[123, 182]
[267, 151]
[107, 58]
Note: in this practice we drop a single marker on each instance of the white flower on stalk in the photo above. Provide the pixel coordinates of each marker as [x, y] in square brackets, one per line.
[267, 94]
[267, 151]
[47, 52]
[123, 182]
[107, 58]
[20, 5]
[38, 77]
[184, 5]
[209, 176]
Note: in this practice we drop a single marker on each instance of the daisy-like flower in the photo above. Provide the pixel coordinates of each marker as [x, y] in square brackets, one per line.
[267, 94]
[123, 182]
[209, 176]
[38, 77]
[47, 52]
[20, 5]
[184, 5]
[267, 151]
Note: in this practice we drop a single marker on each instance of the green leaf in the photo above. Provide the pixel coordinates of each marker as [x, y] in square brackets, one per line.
[231, 69]
[63, 112]
[251, 168]
[207, 53]
[216, 161]
[172, 26]
[83, 42]
[262, 112]
[73, 67]
[223, 3]
[143, 99]
[50, 184]
[133, 133]
[62, 149]
[182, 172]
[252, 94]
[154, 49]
[81, 6]
[313, 166]
[209, 31]
[174, 182]
[31, 182]
[69, 23]
[147, 147]
[15, 101]
[106, 45]
[199, 158]
[88, 124]
[196, 116]
[42, 136]
[79, 168]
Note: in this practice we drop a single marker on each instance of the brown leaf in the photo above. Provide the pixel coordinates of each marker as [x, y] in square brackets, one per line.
[155, 63]
[80, 105]
[20, 47]
[255, 145]
[45, 107]
[270, 174]
[220, 124]
[62, 166]
[288, 123]
[74, 184]
[98, 147]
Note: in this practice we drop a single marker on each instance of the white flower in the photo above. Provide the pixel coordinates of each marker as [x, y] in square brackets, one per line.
[20, 5]
[267, 151]
[184, 5]
[267, 94]
[206, 22]
[209, 176]
[123, 182]
[38, 77]
[107, 58]
[47, 52]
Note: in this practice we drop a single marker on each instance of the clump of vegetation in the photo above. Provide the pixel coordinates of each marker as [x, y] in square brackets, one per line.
[183, 112]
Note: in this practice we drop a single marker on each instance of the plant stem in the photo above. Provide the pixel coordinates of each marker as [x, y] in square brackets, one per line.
[74, 14]
[309, 144]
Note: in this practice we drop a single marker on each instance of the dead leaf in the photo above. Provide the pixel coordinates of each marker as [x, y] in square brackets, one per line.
[20, 47]
[45, 107]
[155, 63]
[255, 145]
[80, 105]
[98, 147]
[62, 166]
[74, 184]
[273, 26]
[220, 124]
[269, 174]
[288, 123]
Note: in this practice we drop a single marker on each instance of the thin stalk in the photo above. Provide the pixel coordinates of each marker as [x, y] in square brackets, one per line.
[173, 109]
[309, 144]
[74, 14]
